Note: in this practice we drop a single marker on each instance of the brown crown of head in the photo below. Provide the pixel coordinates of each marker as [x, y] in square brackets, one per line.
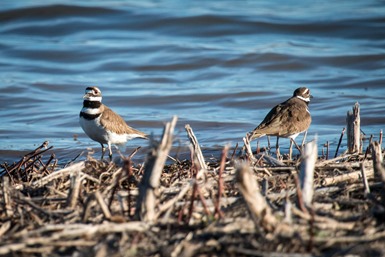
[303, 92]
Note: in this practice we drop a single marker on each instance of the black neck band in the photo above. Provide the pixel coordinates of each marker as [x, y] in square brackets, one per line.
[91, 104]
[88, 116]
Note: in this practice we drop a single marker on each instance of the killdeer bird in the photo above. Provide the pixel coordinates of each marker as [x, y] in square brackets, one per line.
[287, 119]
[102, 124]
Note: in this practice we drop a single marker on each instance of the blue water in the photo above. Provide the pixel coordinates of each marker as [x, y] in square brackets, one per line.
[218, 65]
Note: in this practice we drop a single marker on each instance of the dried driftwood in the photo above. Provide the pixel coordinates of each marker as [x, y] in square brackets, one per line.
[306, 175]
[87, 209]
[256, 203]
[247, 148]
[146, 203]
[378, 160]
[197, 150]
[354, 129]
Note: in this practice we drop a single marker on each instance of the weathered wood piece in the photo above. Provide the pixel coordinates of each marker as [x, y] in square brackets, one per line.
[353, 125]
[247, 148]
[146, 203]
[306, 175]
[256, 203]
[378, 160]
[74, 190]
[197, 150]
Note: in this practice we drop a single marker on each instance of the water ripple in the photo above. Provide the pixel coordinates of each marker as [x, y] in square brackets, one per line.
[220, 66]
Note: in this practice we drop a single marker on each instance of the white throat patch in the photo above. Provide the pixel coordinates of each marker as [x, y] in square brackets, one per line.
[93, 98]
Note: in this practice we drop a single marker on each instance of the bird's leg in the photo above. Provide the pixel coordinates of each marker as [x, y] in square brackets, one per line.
[277, 149]
[291, 149]
[292, 141]
[304, 138]
[103, 151]
[110, 151]
[268, 144]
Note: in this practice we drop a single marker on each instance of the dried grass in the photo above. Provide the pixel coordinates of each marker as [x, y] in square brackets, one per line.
[88, 209]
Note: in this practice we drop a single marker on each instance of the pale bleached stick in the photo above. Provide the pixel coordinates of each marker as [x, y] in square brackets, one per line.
[378, 166]
[197, 149]
[67, 232]
[306, 175]
[74, 190]
[351, 176]
[60, 173]
[103, 205]
[146, 203]
[353, 129]
[5, 227]
[165, 206]
[256, 203]
[378, 160]
[365, 179]
[7, 196]
[247, 147]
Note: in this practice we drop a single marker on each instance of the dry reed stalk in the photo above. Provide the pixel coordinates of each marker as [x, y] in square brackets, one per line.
[197, 149]
[234, 151]
[259, 209]
[4, 227]
[103, 205]
[378, 160]
[89, 203]
[339, 142]
[167, 205]
[306, 175]
[74, 189]
[378, 166]
[365, 179]
[247, 147]
[218, 211]
[115, 184]
[325, 223]
[300, 201]
[353, 129]
[194, 195]
[351, 176]
[7, 200]
[130, 176]
[146, 202]
[59, 174]
[59, 234]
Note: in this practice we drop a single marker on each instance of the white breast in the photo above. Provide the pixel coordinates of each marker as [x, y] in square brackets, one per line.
[94, 130]
[97, 133]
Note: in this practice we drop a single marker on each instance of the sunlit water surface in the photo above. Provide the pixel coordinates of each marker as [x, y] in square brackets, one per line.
[220, 66]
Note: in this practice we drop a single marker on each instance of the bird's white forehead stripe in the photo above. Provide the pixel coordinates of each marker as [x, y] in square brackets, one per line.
[307, 99]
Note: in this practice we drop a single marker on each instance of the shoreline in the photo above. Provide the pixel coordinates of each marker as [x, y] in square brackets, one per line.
[94, 207]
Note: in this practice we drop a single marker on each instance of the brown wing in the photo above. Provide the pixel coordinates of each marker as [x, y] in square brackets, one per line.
[112, 121]
[285, 119]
